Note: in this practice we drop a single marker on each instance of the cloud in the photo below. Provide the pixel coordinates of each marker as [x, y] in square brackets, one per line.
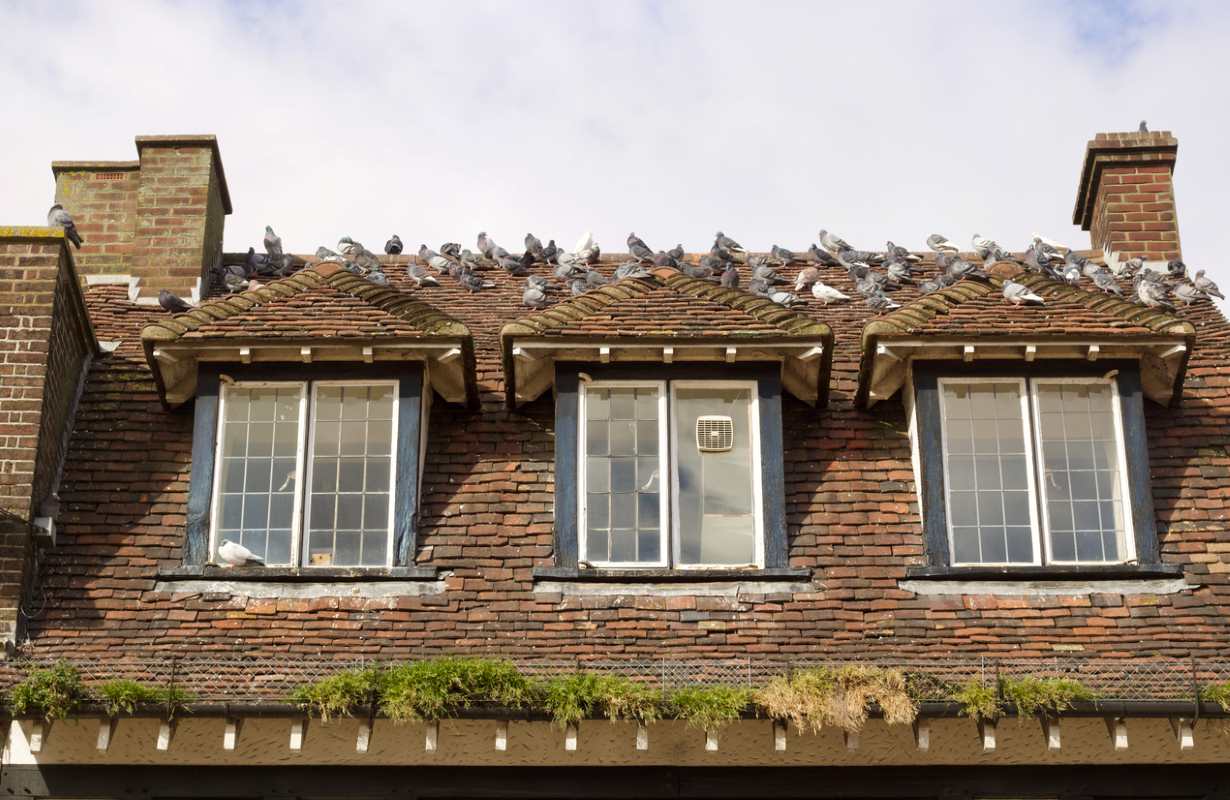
[672, 119]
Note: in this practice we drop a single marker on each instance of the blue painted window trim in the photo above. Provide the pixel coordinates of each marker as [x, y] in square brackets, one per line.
[205, 435]
[930, 448]
[567, 431]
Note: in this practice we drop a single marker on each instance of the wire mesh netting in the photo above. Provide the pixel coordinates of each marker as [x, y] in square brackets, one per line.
[242, 679]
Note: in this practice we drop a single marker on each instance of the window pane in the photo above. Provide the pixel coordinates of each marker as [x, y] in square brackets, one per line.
[988, 490]
[256, 489]
[350, 495]
[1079, 472]
[716, 523]
[621, 474]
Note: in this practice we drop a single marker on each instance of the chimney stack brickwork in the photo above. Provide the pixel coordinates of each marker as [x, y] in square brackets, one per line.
[159, 218]
[46, 341]
[1126, 196]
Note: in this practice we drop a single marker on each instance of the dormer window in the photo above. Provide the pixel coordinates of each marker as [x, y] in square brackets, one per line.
[340, 435]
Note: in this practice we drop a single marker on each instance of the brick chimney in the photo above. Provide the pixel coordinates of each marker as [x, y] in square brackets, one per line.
[1126, 196]
[46, 342]
[159, 218]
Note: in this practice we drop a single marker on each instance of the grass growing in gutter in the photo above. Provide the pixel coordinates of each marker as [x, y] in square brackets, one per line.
[1217, 693]
[342, 694]
[123, 696]
[1050, 696]
[978, 700]
[577, 697]
[51, 692]
[711, 707]
[440, 687]
[812, 699]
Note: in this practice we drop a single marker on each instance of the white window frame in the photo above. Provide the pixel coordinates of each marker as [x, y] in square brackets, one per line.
[1030, 470]
[300, 519]
[306, 507]
[1038, 510]
[1129, 538]
[583, 465]
[215, 502]
[753, 423]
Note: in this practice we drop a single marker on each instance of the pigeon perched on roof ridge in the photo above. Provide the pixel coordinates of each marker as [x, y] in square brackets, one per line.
[58, 217]
[939, 243]
[726, 243]
[1104, 279]
[1206, 285]
[533, 246]
[729, 277]
[806, 277]
[273, 243]
[172, 302]
[833, 243]
[783, 255]
[393, 246]
[1020, 294]
[1038, 238]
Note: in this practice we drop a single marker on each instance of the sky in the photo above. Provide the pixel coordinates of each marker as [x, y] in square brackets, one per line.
[766, 120]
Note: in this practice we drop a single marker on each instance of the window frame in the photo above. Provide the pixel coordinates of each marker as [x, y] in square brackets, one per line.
[926, 426]
[773, 534]
[1031, 475]
[413, 406]
[757, 481]
[1129, 540]
[306, 506]
[296, 525]
[664, 504]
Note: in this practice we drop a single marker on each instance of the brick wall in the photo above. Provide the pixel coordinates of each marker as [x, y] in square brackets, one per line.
[159, 218]
[1126, 195]
[45, 343]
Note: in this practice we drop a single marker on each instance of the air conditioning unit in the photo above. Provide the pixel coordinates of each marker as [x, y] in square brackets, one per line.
[714, 433]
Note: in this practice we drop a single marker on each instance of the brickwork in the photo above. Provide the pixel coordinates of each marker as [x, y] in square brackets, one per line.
[160, 218]
[1126, 195]
[45, 340]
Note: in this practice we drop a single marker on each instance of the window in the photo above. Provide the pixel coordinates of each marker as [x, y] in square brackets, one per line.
[1035, 470]
[669, 473]
[342, 435]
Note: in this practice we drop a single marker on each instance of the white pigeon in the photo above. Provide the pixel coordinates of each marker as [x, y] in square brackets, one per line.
[1019, 294]
[982, 245]
[827, 294]
[939, 243]
[347, 246]
[1037, 237]
[232, 554]
[585, 243]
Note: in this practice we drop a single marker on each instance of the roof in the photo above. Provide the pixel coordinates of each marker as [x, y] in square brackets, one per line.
[323, 308]
[669, 309]
[1070, 315]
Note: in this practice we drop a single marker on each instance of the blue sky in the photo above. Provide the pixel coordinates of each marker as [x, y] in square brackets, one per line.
[673, 119]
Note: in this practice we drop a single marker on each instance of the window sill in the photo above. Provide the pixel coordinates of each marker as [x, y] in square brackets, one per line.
[1054, 573]
[299, 574]
[669, 575]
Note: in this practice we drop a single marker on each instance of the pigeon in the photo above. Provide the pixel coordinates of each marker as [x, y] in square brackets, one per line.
[486, 245]
[959, 268]
[172, 303]
[347, 246]
[1072, 275]
[470, 261]
[585, 243]
[768, 274]
[638, 249]
[1207, 286]
[1176, 268]
[533, 246]
[940, 244]
[534, 297]
[1104, 280]
[550, 252]
[985, 247]
[378, 277]
[433, 259]
[232, 554]
[822, 257]
[631, 269]
[256, 263]
[1020, 294]
[234, 283]
[726, 243]
[393, 246]
[579, 286]
[539, 282]
[827, 294]
[701, 271]
[664, 259]
[1144, 127]
[568, 268]
[1050, 244]
[472, 282]
[1187, 293]
[1152, 294]
[806, 277]
[273, 244]
[367, 260]
[514, 266]
[895, 252]
[451, 250]
[57, 217]
[594, 278]
[783, 255]
[928, 287]
[881, 302]
[786, 299]
[729, 277]
[833, 243]
[324, 254]
[709, 261]
[676, 252]
[900, 272]
[421, 277]
[758, 286]
[1130, 267]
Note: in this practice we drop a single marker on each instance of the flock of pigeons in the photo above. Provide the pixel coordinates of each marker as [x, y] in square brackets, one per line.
[874, 274]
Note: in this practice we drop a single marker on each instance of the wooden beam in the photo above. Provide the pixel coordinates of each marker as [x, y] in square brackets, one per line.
[779, 736]
[1050, 729]
[642, 737]
[986, 730]
[245, 355]
[1093, 352]
[570, 738]
[305, 353]
[106, 729]
[1184, 732]
[230, 734]
[1117, 726]
[1031, 352]
[967, 353]
[297, 730]
[711, 741]
[501, 735]
[922, 734]
[166, 731]
[851, 738]
[38, 735]
[731, 354]
[364, 738]
[668, 354]
[604, 354]
[369, 355]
